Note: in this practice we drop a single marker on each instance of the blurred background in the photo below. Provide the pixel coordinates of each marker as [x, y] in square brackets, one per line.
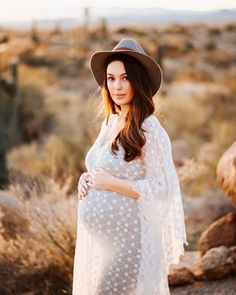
[51, 112]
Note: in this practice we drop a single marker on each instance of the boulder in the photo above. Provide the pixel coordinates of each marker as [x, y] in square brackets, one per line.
[226, 173]
[200, 212]
[184, 272]
[180, 276]
[219, 262]
[222, 232]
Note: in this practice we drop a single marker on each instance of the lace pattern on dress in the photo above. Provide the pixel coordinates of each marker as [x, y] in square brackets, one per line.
[161, 212]
[125, 246]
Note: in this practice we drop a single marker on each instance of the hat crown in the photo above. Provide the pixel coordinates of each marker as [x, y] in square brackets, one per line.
[129, 44]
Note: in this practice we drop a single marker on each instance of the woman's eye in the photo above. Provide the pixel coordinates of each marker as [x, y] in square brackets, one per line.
[111, 78]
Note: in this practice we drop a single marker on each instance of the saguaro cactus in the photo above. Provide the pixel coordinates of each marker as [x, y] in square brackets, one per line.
[8, 117]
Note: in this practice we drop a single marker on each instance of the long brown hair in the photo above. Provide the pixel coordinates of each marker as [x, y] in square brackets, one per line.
[131, 137]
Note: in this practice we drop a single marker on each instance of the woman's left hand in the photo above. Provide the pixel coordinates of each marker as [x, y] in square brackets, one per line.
[100, 179]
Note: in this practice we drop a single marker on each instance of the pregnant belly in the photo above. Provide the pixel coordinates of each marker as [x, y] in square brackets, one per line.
[104, 211]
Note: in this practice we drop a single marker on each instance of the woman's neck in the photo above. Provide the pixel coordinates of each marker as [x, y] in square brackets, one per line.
[123, 113]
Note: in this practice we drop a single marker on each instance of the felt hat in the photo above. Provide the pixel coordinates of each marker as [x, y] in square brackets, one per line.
[129, 47]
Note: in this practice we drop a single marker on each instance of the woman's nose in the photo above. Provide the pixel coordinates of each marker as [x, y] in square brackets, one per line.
[117, 84]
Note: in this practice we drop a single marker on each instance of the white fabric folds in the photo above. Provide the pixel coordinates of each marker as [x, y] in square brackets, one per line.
[161, 211]
[125, 246]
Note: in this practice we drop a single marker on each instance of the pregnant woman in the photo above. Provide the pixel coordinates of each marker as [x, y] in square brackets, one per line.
[130, 215]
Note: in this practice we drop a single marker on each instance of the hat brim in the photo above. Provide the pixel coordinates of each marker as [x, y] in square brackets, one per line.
[98, 59]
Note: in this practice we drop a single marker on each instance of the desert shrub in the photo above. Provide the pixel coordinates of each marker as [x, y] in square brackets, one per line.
[207, 122]
[131, 30]
[196, 178]
[220, 109]
[230, 27]
[4, 38]
[40, 260]
[33, 117]
[56, 158]
[210, 45]
[220, 59]
[194, 74]
[32, 59]
[177, 29]
[188, 45]
[214, 31]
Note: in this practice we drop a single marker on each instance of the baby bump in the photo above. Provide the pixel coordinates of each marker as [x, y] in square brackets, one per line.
[104, 211]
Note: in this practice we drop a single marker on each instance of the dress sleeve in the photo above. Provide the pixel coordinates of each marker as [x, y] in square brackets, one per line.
[161, 210]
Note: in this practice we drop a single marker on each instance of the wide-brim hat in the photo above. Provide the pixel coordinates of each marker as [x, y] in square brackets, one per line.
[132, 48]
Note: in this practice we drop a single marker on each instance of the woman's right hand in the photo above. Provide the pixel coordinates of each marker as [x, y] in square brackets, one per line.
[82, 185]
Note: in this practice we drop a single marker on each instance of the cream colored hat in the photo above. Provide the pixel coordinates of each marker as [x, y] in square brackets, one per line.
[128, 47]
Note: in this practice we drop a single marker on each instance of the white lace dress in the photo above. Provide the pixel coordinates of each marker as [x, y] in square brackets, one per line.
[125, 246]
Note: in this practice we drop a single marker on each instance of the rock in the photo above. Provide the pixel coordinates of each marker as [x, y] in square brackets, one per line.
[213, 237]
[226, 286]
[13, 216]
[187, 270]
[180, 276]
[200, 212]
[219, 262]
[181, 150]
[226, 173]
[190, 260]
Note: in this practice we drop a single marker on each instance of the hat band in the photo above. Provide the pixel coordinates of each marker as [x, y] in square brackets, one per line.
[122, 48]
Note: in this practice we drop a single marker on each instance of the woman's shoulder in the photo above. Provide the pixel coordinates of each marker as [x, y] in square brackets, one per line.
[152, 125]
[151, 122]
[108, 120]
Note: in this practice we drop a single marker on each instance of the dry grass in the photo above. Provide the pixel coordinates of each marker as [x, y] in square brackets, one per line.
[40, 257]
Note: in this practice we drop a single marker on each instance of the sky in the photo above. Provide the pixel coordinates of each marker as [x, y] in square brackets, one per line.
[27, 10]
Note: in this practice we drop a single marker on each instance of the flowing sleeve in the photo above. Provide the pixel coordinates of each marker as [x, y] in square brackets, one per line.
[161, 210]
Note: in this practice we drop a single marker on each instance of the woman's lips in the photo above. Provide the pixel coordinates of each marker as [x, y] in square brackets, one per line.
[119, 95]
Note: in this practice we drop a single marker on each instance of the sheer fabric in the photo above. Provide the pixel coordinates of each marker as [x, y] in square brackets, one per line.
[125, 246]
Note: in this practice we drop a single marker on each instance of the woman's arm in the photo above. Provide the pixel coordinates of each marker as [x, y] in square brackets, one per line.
[123, 186]
[100, 178]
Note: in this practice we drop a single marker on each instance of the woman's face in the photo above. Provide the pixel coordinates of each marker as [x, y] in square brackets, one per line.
[118, 83]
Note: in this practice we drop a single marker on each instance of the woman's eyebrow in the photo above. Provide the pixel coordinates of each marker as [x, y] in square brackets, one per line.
[113, 75]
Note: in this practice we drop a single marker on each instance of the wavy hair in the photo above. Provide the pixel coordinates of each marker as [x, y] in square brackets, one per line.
[131, 137]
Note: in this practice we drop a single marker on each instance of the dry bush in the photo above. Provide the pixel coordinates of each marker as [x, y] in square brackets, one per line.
[40, 77]
[230, 27]
[58, 159]
[187, 121]
[61, 155]
[195, 74]
[207, 122]
[37, 57]
[131, 30]
[41, 260]
[220, 58]
[195, 178]
[33, 118]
